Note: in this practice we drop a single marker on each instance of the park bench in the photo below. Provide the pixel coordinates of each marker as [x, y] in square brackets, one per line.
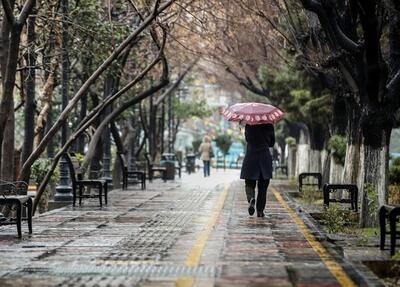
[310, 175]
[391, 214]
[152, 169]
[350, 188]
[282, 168]
[131, 176]
[79, 183]
[15, 200]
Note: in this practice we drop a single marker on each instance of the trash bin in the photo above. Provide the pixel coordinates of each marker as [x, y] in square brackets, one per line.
[168, 160]
[190, 163]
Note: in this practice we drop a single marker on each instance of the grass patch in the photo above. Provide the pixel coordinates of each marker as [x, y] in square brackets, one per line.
[311, 195]
[334, 219]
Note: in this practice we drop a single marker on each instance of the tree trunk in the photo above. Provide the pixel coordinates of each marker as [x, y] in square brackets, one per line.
[315, 160]
[326, 166]
[7, 102]
[303, 152]
[336, 171]
[292, 161]
[283, 154]
[374, 177]
[97, 149]
[80, 145]
[352, 159]
[30, 103]
[7, 168]
[47, 99]
[117, 171]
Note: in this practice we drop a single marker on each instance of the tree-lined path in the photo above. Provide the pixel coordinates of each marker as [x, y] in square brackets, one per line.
[194, 232]
[98, 95]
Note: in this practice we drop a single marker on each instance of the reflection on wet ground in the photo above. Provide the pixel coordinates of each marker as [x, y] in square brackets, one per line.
[189, 232]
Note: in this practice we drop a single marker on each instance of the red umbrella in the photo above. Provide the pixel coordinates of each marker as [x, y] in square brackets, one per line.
[253, 113]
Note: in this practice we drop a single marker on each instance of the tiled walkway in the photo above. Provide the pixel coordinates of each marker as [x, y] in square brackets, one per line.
[191, 232]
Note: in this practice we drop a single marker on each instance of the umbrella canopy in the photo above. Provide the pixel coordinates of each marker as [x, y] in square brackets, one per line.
[253, 113]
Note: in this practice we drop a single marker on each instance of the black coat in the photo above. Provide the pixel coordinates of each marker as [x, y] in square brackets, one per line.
[258, 161]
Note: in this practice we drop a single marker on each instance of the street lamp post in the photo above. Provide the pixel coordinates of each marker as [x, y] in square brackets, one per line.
[108, 90]
[64, 190]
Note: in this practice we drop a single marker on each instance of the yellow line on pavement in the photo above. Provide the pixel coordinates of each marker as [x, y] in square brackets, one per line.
[194, 256]
[328, 260]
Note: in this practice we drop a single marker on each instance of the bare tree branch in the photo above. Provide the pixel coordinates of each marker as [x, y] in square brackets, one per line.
[26, 10]
[8, 12]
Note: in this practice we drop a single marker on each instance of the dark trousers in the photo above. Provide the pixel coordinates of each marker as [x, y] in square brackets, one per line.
[206, 168]
[262, 191]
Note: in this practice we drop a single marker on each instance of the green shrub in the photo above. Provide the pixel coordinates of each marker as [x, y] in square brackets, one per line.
[337, 146]
[224, 143]
[396, 256]
[38, 172]
[40, 168]
[334, 219]
[80, 157]
[290, 141]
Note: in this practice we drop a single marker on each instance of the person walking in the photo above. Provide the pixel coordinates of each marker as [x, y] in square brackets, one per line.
[205, 151]
[257, 165]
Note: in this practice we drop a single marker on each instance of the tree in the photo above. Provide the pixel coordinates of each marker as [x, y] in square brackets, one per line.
[224, 143]
[11, 37]
[354, 32]
[85, 87]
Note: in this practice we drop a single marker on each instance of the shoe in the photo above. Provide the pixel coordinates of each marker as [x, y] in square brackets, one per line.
[251, 206]
[260, 214]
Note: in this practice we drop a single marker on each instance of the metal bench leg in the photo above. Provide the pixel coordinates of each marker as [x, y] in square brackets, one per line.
[392, 222]
[382, 227]
[80, 195]
[326, 197]
[19, 218]
[101, 194]
[73, 196]
[29, 207]
[125, 181]
[105, 192]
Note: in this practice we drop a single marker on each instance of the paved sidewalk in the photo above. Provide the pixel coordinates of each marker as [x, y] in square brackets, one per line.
[191, 232]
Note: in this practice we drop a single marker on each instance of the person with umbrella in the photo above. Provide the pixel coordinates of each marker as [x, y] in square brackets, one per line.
[260, 135]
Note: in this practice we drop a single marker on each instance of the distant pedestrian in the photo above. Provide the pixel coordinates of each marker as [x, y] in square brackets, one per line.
[205, 151]
[257, 164]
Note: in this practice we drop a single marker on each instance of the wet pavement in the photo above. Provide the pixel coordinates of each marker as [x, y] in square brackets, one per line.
[190, 232]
